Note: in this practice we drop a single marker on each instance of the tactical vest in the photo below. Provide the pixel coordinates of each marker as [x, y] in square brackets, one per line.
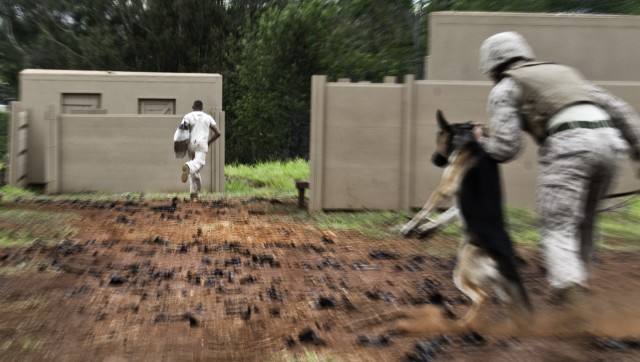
[547, 88]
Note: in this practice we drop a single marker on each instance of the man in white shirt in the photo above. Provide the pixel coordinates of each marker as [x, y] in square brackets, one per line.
[200, 138]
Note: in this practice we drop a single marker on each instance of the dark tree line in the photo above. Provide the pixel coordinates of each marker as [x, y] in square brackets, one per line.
[266, 50]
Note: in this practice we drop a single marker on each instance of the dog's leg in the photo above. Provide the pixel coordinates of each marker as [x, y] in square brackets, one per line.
[468, 276]
[475, 293]
[445, 190]
[447, 217]
[435, 199]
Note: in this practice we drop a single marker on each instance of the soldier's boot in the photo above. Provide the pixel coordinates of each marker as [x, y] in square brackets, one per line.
[571, 301]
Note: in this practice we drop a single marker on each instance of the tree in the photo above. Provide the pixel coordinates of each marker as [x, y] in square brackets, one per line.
[267, 50]
[358, 39]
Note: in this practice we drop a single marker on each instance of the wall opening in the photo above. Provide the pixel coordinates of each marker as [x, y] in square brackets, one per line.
[80, 102]
[156, 106]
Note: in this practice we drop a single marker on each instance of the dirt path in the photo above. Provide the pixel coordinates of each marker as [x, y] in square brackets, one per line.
[244, 281]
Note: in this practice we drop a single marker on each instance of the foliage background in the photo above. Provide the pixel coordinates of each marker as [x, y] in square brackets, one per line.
[266, 50]
[4, 125]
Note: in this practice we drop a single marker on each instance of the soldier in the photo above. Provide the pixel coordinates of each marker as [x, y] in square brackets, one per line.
[578, 128]
[199, 124]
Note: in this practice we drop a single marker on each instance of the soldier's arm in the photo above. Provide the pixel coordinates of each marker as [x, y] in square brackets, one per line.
[623, 116]
[505, 140]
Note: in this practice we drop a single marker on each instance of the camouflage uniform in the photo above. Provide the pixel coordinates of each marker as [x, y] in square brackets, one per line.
[577, 167]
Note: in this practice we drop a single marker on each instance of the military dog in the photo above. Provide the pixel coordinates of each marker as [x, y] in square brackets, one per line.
[486, 255]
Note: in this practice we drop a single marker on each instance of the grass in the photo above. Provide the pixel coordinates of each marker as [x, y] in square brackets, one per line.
[374, 224]
[309, 356]
[270, 179]
[22, 227]
[619, 227]
[522, 225]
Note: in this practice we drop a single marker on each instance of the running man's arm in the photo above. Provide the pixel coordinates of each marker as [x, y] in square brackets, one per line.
[215, 134]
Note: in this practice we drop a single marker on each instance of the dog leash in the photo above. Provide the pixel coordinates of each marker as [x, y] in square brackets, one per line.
[622, 194]
[633, 194]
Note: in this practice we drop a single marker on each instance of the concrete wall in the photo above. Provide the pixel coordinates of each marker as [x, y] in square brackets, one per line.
[121, 153]
[603, 47]
[119, 94]
[372, 143]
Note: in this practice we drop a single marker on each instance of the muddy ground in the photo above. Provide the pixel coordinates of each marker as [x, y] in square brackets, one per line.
[247, 280]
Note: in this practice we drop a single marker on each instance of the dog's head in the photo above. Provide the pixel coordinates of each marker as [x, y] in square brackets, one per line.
[450, 137]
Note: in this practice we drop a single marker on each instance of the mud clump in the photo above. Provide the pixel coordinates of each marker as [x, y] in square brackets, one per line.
[250, 279]
[193, 321]
[167, 208]
[616, 344]
[382, 254]
[427, 350]
[265, 259]
[326, 302]
[379, 295]
[274, 294]
[115, 279]
[157, 240]
[308, 336]
[473, 338]
[123, 219]
[381, 340]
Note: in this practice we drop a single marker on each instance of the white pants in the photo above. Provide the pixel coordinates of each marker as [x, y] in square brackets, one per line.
[197, 155]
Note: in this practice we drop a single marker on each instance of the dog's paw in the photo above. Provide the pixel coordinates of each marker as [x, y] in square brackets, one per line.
[395, 229]
[427, 232]
[406, 230]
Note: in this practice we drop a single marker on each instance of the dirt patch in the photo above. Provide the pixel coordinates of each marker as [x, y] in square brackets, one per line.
[223, 280]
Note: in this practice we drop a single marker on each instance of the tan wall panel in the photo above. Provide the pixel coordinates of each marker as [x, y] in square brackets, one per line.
[363, 145]
[603, 47]
[358, 162]
[376, 148]
[361, 188]
[383, 105]
[18, 144]
[121, 154]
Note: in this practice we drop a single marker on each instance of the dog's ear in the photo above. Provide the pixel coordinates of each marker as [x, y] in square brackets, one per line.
[442, 122]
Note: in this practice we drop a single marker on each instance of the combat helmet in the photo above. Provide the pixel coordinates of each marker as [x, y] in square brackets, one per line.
[501, 48]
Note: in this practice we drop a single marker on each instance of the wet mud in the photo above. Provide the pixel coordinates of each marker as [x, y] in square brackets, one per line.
[247, 280]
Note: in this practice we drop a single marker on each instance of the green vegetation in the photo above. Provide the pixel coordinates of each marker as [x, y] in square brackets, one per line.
[309, 356]
[271, 179]
[523, 225]
[4, 131]
[12, 191]
[374, 224]
[28, 226]
[618, 227]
